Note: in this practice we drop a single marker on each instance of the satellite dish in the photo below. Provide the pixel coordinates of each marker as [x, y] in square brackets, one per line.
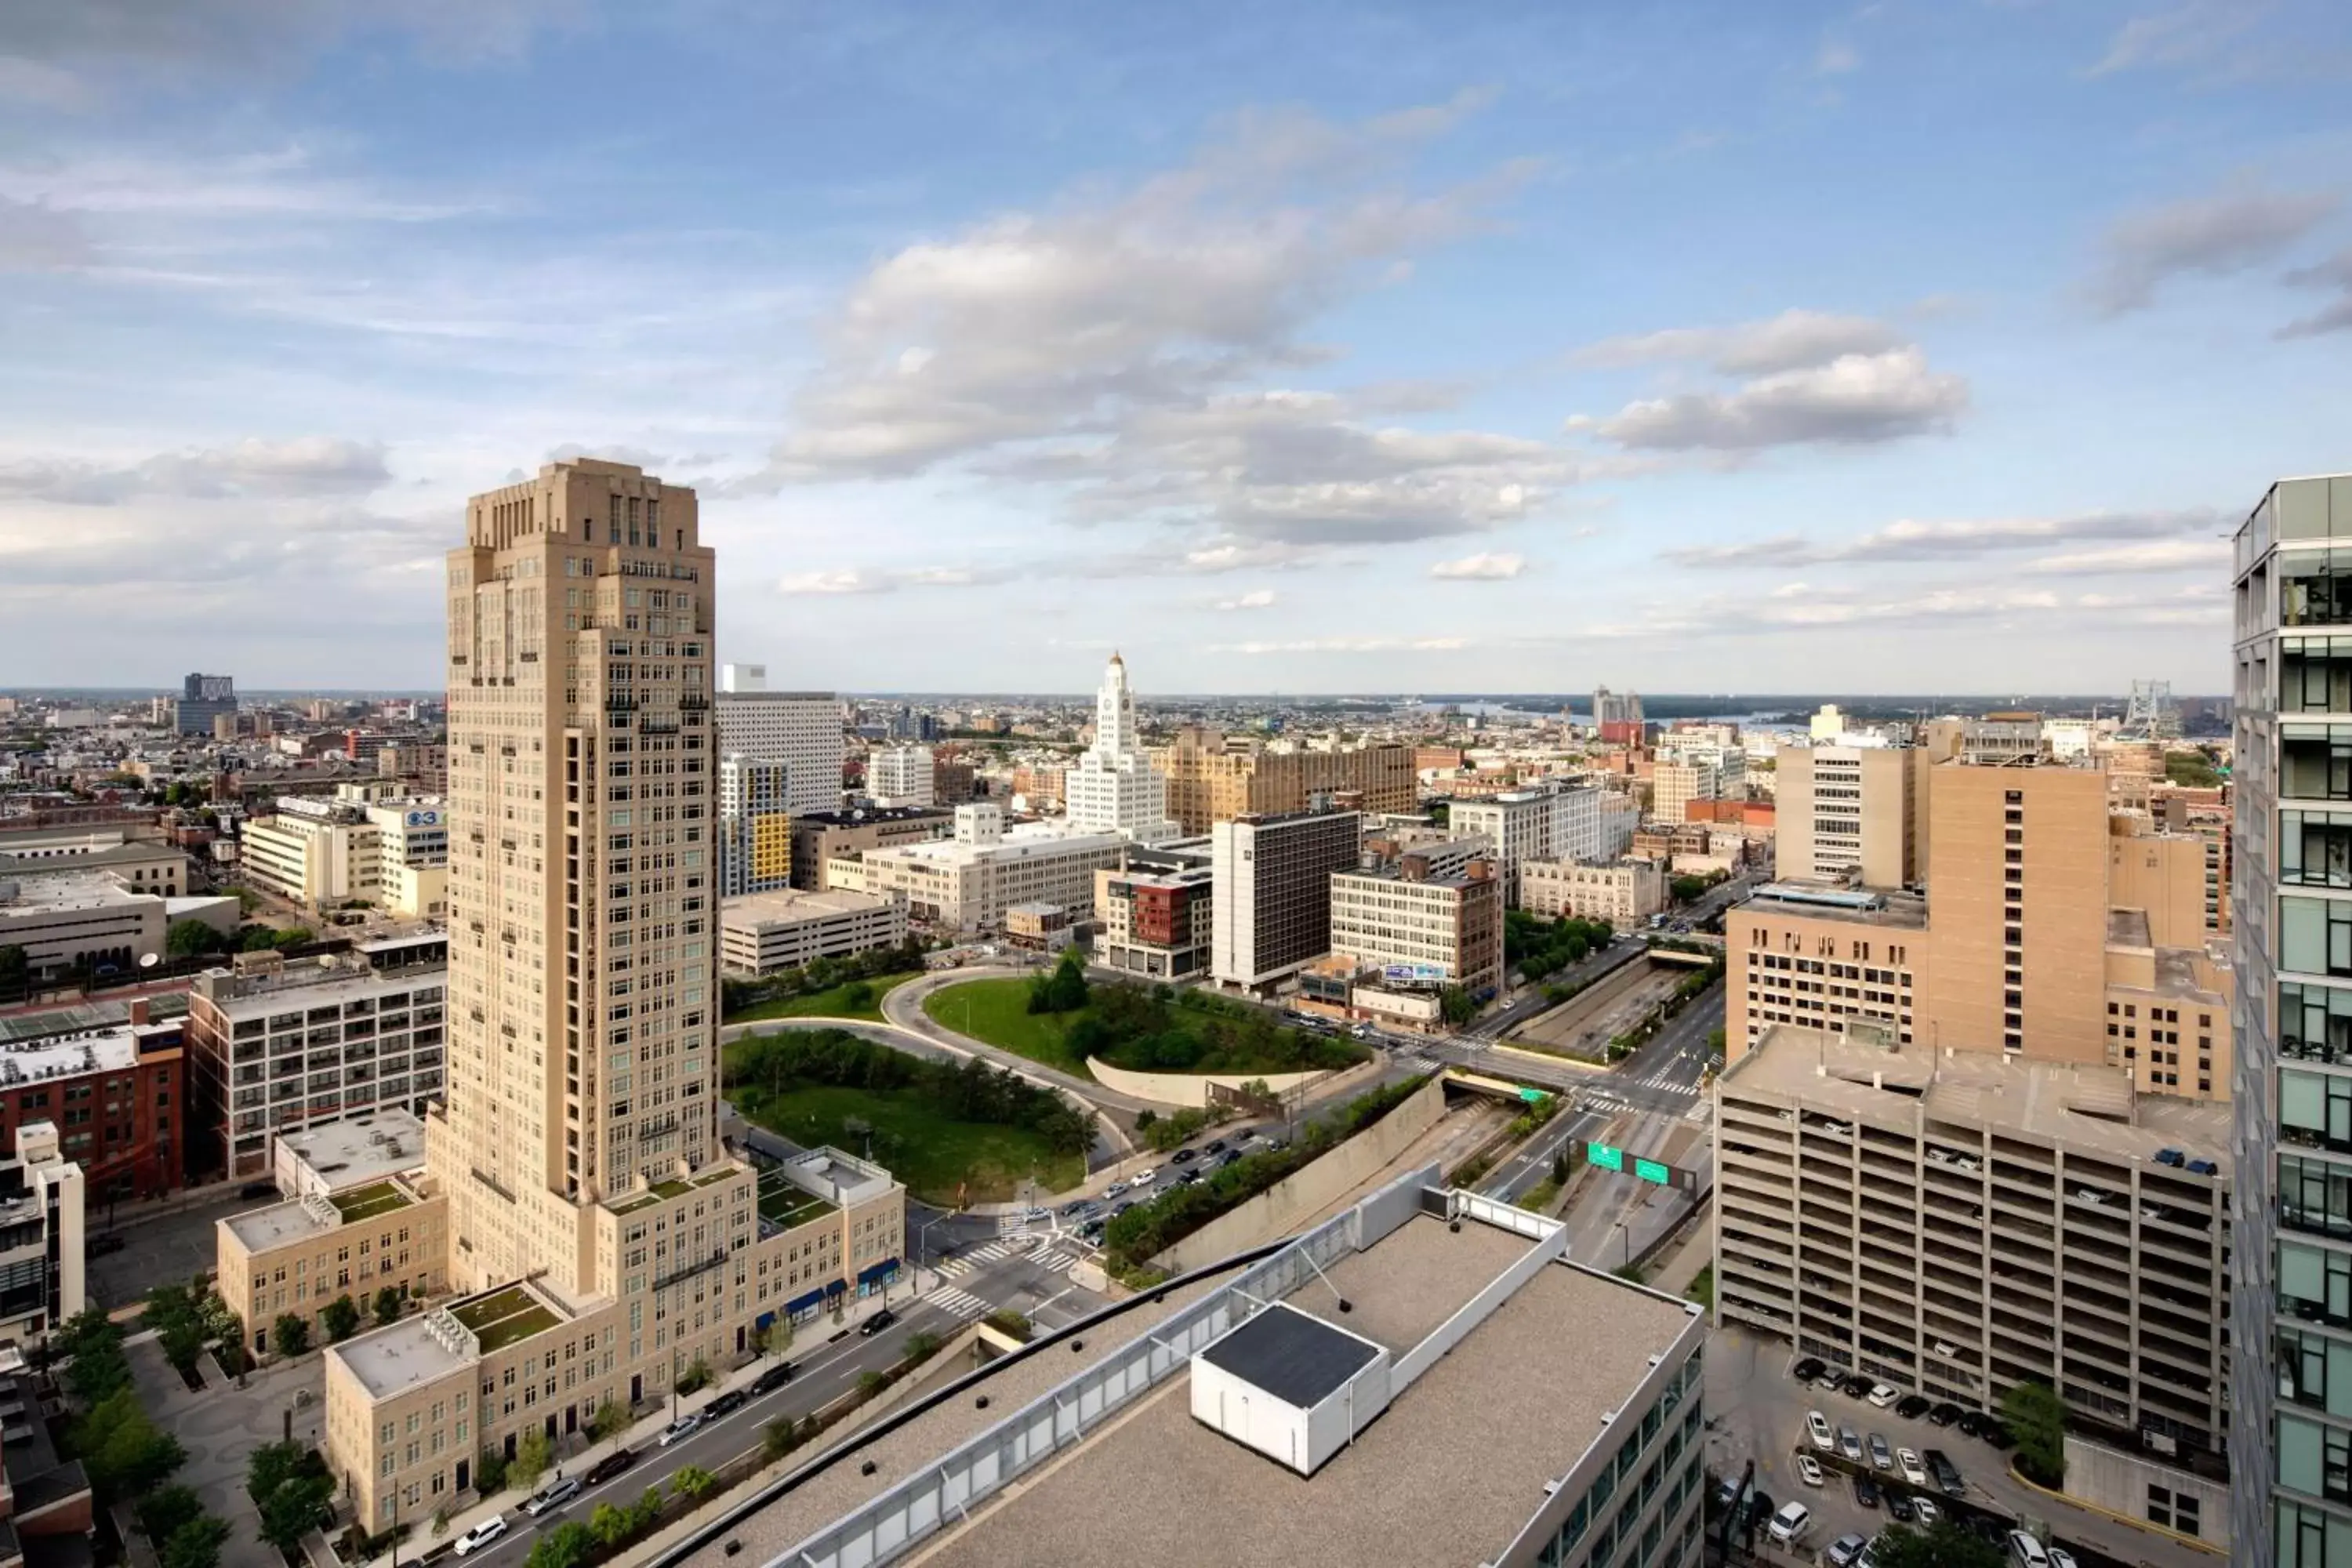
[150, 960]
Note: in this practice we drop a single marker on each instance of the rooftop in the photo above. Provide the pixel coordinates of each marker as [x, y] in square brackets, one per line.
[872, 815]
[1464, 1313]
[1829, 900]
[786, 905]
[341, 1155]
[366, 1203]
[420, 1349]
[78, 890]
[87, 1016]
[332, 978]
[2085, 1108]
[261, 1229]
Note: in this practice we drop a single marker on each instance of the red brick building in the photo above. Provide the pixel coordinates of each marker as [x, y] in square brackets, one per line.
[116, 1094]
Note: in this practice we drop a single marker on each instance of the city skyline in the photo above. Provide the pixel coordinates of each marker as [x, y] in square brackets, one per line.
[1027, 337]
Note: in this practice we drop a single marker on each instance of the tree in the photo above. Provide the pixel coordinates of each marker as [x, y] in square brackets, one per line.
[611, 1526]
[610, 1421]
[123, 1450]
[1453, 1005]
[856, 996]
[187, 937]
[565, 1546]
[195, 1545]
[341, 1319]
[95, 1344]
[1687, 887]
[291, 1486]
[491, 1471]
[783, 1435]
[292, 1333]
[1943, 1544]
[164, 1511]
[690, 1482]
[922, 1346]
[178, 1315]
[2036, 1416]
[648, 1511]
[387, 1307]
[532, 1452]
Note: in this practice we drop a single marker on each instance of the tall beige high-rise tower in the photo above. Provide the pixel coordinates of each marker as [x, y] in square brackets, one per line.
[583, 766]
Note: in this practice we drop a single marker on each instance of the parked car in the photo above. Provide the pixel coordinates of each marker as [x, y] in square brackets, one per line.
[1907, 1461]
[1145, 1177]
[1883, 1394]
[1974, 1422]
[1076, 1208]
[1913, 1406]
[1846, 1550]
[1808, 1369]
[1036, 1217]
[1186, 1156]
[101, 1246]
[1114, 1190]
[1997, 1434]
[482, 1534]
[1944, 1415]
[1790, 1524]
[2060, 1557]
[1849, 1443]
[876, 1324]
[726, 1403]
[1809, 1469]
[2025, 1552]
[611, 1465]
[1817, 1428]
[1927, 1510]
[1865, 1490]
[1213, 1146]
[774, 1378]
[1229, 1156]
[552, 1496]
[1188, 1178]
[1946, 1474]
[684, 1426]
[1898, 1504]
[1832, 1378]
[1857, 1386]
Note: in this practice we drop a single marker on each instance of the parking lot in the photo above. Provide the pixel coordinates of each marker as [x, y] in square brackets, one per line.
[1758, 1412]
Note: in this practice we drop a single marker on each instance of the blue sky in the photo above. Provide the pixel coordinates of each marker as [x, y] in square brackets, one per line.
[1307, 348]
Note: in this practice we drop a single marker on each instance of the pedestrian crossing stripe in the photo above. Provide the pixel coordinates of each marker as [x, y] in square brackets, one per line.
[958, 1303]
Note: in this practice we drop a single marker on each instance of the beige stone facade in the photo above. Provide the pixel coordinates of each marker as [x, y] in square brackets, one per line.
[1850, 811]
[1626, 893]
[1214, 778]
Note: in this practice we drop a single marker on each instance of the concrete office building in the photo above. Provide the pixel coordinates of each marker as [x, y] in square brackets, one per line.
[2291, 910]
[204, 698]
[1816, 956]
[1278, 1428]
[140, 865]
[800, 730]
[363, 843]
[80, 920]
[1155, 923]
[1214, 778]
[900, 776]
[577, 1144]
[761, 933]
[1625, 892]
[277, 1046]
[1962, 1221]
[755, 826]
[1554, 820]
[1115, 788]
[1851, 813]
[1271, 892]
[968, 882]
[1421, 921]
[822, 839]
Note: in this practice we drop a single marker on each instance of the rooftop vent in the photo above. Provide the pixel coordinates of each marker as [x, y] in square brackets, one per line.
[1290, 1385]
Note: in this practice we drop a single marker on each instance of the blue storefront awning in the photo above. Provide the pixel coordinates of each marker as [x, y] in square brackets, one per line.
[836, 1286]
[867, 1276]
[801, 1303]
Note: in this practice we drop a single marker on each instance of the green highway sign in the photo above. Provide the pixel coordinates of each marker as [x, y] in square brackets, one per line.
[1533, 1096]
[1608, 1156]
[1651, 1170]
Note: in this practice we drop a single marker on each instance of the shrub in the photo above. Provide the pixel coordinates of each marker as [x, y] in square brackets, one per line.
[341, 1319]
[292, 1333]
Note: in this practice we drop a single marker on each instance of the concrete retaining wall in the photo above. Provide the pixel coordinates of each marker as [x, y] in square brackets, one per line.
[1187, 1089]
[1280, 1208]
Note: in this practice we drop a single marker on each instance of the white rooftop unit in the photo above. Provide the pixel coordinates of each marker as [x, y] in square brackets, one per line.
[1290, 1385]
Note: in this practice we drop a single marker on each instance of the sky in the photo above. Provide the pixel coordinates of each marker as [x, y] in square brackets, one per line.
[1310, 348]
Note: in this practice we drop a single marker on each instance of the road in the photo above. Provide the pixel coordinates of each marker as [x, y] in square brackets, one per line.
[826, 1371]
[1626, 948]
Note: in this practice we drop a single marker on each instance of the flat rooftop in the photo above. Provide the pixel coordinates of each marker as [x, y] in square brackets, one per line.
[261, 1229]
[790, 907]
[412, 1352]
[1825, 900]
[83, 1015]
[360, 1150]
[1429, 1481]
[54, 891]
[309, 983]
[2085, 1108]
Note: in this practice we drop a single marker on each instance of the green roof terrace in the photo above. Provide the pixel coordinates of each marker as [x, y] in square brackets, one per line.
[503, 1316]
[368, 1202]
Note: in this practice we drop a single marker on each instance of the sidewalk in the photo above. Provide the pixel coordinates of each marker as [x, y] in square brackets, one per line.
[643, 1435]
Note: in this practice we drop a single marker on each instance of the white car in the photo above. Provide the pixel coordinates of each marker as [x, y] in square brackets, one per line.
[1881, 1396]
[1913, 1470]
[684, 1426]
[1143, 1178]
[482, 1534]
[1924, 1507]
[2025, 1552]
[1115, 1190]
[1809, 1469]
[1817, 1428]
[1791, 1522]
[2061, 1558]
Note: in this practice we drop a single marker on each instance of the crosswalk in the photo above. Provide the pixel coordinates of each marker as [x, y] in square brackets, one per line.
[961, 1305]
[965, 1262]
[1057, 1253]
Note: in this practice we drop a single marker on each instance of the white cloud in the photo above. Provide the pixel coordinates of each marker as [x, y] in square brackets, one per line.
[889, 580]
[1836, 58]
[844, 582]
[1346, 645]
[1908, 538]
[1483, 567]
[2208, 235]
[2162, 555]
[1856, 398]
[313, 465]
[1793, 340]
[1255, 599]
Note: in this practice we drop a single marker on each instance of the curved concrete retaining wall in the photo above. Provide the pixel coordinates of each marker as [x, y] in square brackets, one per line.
[1278, 1210]
[1189, 1088]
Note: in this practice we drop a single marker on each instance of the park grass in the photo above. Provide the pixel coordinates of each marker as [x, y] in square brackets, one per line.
[997, 1013]
[368, 1202]
[939, 1159]
[830, 1002]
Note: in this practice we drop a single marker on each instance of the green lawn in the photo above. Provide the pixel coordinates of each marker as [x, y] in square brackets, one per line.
[828, 1004]
[934, 1156]
[997, 1011]
[368, 1202]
